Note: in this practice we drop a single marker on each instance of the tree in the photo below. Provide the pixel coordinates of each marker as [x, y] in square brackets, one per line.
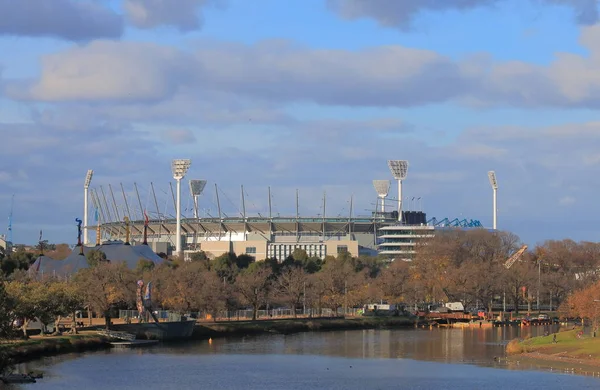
[67, 300]
[244, 261]
[25, 308]
[252, 284]
[7, 306]
[59, 252]
[290, 285]
[182, 287]
[95, 257]
[214, 294]
[343, 286]
[225, 265]
[106, 285]
[199, 256]
[392, 282]
[143, 265]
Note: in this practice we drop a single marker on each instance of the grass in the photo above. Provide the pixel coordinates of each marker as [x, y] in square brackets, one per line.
[567, 345]
[35, 347]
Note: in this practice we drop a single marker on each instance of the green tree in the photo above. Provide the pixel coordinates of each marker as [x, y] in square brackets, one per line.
[225, 265]
[27, 298]
[95, 257]
[143, 265]
[199, 256]
[244, 261]
[7, 306]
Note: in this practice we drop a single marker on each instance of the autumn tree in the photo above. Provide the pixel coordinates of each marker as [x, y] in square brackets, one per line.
[215, 294]
[106, 285]
[253, 285]
[182, 287]
[392, 283]
[343, 287]
[290, 286]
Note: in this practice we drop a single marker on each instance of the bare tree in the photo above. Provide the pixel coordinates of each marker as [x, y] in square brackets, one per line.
[291, 285]
[253, 284]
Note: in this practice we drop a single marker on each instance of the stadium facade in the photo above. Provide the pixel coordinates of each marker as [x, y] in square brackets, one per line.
[381, 233]
[278, 237]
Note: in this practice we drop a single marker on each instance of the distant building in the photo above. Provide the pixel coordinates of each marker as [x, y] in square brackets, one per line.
[5, 246]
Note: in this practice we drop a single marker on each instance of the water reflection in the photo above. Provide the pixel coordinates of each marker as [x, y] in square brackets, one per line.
[349, 360]
[468, 345]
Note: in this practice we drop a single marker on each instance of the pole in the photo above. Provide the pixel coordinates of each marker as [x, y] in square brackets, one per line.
[178, 233]
[539, 284]
[304, 299]
[324, 205]
[85, 215]
[345, 298]
[495, 208]
[399, 200]
[382, 205]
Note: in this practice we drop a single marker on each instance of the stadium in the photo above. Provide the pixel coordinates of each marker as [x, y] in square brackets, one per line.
[380, 233]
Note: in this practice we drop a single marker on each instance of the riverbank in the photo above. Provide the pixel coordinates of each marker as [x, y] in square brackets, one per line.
[204, 331]
[37, 347]
[571, 349]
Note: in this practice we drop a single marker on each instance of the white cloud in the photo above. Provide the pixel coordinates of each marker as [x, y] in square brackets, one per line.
[179, 136]
[107, 71]
[567, 200]
[279, 72]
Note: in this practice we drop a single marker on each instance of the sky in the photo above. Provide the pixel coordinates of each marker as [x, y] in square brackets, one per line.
[307, 95]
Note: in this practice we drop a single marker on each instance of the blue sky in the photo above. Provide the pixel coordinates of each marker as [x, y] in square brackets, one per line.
[313, 95]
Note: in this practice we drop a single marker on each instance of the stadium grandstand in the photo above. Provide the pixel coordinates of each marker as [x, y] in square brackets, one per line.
[271, 236]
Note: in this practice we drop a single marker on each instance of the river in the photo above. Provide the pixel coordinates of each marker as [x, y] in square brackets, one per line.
[349, 360]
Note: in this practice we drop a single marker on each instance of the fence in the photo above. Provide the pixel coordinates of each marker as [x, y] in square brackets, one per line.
[241, 315]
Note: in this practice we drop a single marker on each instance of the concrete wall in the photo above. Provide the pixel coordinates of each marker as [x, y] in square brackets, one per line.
[332, 247]
[217, 248]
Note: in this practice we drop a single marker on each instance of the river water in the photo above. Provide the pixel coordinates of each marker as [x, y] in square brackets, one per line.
[349, 360]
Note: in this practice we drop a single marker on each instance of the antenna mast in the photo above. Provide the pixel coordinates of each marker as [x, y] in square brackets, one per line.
[10, 216]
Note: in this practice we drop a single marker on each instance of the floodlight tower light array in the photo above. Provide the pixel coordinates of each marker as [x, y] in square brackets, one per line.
[196, 188]
[86, 186]
[399, 169]
[494, 184]
[179, 168]
[383, 188]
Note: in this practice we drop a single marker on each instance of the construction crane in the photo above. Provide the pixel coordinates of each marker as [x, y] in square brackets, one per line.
[10, 215]
[516, 256]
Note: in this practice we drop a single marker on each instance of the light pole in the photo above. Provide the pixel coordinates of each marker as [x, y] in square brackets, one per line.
[383, 188]
[196, 188]
[179, 168]
[86, 186]
[494, 184]
[399, 169]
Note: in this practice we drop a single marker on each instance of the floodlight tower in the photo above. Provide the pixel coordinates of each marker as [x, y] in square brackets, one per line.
[179, 168]
[86, 186]
[494, 184]
[383, 188]
[196, 188]
[399, 169]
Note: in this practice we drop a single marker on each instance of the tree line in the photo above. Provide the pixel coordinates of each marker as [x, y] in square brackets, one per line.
[465, 266]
